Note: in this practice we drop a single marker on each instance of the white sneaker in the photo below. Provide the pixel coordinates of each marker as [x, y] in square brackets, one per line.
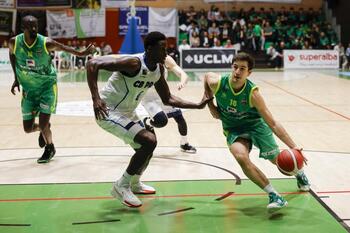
[141, 188]
[124, 194]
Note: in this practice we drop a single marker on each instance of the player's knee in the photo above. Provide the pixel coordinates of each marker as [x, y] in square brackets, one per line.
[28, 129]
[149, 142]
[160, 120]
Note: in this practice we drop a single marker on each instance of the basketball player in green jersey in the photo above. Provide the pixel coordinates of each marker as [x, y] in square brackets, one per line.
[33, 70]
[246, 120]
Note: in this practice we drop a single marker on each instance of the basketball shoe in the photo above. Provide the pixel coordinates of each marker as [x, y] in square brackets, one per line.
[276, 202]
[141, 188]
[188, 148]
[303, 182]
[124, 194]
[49, 152]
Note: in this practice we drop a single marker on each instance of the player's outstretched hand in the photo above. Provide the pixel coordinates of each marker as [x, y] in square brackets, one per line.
[90, 49]
[100, 109]
[301, 152]
[204, 101]
[14, 86]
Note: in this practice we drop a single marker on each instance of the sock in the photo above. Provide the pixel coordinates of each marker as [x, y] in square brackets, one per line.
[183, 140]
[125, 179]
[270, 189]
[135, 179]
[300, 173]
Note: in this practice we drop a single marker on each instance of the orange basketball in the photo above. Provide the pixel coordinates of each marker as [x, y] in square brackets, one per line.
[290, 161]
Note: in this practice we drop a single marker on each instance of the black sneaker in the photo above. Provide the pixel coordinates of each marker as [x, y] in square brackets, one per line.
[49, 152]
[148, 126]
[188, 148]
[41, 139]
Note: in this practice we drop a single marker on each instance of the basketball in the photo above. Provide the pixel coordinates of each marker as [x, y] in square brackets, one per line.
[290, 161]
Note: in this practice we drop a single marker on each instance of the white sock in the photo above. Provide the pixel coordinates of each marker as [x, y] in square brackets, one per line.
[300, 172]
[270, 189]
[125, 179]
[183, 140]
[135, 179]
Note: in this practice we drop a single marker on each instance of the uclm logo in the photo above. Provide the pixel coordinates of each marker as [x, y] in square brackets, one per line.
[319, 57]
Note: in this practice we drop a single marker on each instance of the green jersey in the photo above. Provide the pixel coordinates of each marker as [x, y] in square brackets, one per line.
[34, 67]
[236, 110]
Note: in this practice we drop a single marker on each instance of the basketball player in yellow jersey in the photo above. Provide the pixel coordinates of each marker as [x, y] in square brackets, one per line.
[33, 70]
[246, 120]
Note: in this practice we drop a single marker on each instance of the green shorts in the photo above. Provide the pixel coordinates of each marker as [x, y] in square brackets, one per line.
[44, 101]
[259, 134]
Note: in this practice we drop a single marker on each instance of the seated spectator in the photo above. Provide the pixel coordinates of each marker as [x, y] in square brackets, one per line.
[226, 33]
[184, 45]
[214, 29]
[204, 39]
[195, 40]
[202, 23]
[228, 44]
[106, 49]
[217, 44]
[4, 44]
[173, 52]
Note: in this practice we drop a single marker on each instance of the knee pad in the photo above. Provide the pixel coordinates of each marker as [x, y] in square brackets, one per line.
[159, 120]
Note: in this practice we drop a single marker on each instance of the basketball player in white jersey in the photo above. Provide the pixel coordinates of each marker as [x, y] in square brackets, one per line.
[160, 113]
[115, 106]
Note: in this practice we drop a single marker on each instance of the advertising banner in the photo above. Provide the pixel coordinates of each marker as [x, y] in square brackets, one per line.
[90, 23]
[273, 1]
[43, 3]
[114, 3]
[141, 20]
[7, 21]
[7, 3]
[311, 59]
[61, 24]
[5, 60]
[207, 58]
[162, 20]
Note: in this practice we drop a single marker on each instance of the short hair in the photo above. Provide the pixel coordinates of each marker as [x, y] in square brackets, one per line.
[153, 38]
[242, 56]
[28, 18]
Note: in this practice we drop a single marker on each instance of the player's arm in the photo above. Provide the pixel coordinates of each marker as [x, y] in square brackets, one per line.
[168, 99]
[129, 66]
[13, 65]
[52, 45]
[259, 103]
[211, 82]
[174, 67]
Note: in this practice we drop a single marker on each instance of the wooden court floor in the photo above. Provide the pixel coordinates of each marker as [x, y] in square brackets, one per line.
[314, 107]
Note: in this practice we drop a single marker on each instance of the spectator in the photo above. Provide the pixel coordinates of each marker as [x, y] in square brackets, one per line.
[347, 55]
[184, 45]
[173, 52]
[4, 44]
[226, 33]
[214, 29]
[275, 56]
[195, 40]
[106, 49]
[228, 44]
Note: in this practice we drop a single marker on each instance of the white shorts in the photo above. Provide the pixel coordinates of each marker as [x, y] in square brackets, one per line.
[153, 105]
[121, 126]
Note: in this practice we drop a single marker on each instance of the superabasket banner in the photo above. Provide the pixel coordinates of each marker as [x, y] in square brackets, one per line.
[7, 21]
[162, 20]
[311, 59]
[90, 23]
[61, 24]
[207, 58]
[273, 1]
[7, 3]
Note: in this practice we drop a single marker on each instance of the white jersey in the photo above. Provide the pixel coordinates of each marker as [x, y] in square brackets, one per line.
[123, 93]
